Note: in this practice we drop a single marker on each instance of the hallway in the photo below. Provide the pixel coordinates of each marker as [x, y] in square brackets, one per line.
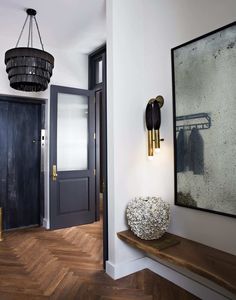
[37, 264]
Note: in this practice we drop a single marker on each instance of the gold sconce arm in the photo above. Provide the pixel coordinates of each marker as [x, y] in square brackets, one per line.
[157, 139]
[150, 143]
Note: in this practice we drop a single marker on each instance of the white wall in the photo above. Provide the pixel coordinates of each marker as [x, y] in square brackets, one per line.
[71, 69]
[139, 38]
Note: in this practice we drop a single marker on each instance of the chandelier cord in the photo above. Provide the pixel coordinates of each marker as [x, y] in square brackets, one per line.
[38, 32]
[29, 33]
[21, 31]
[32, 33]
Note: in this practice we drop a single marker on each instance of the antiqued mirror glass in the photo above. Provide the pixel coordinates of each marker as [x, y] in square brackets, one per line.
[204, 89]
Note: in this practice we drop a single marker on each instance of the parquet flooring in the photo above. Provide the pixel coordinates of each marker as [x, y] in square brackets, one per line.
[66, 264]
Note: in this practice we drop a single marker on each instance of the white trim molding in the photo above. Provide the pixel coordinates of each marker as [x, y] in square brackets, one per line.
[121, 270]
[201, 290]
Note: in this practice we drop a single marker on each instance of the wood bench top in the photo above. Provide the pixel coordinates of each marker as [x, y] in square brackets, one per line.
[208, 262]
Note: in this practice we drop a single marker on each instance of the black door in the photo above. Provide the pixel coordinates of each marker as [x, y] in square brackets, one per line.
[72, 157]
[19, 163]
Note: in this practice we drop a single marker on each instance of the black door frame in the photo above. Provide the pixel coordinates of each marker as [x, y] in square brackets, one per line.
[22, 99]
[41, 102]
[101, 110]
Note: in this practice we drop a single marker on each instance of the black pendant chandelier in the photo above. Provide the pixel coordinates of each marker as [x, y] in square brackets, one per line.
[29, 69]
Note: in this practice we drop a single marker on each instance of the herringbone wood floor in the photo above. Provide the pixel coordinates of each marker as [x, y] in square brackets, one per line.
[66, 264]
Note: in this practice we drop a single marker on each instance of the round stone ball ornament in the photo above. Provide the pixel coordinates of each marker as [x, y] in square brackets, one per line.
[148, 217]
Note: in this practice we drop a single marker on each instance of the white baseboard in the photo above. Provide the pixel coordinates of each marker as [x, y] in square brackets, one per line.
[200, 290]
[124, 269]
[194, 287]
[45, 223]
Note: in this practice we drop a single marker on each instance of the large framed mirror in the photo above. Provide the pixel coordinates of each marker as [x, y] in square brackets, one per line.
[204, 106]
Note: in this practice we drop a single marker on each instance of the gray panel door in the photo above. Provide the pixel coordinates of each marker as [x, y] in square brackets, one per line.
[72, 157]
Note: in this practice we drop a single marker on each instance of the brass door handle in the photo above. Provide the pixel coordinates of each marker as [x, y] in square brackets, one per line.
[54, 172]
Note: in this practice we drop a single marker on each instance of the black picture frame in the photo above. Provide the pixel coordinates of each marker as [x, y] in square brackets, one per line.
[201, 118]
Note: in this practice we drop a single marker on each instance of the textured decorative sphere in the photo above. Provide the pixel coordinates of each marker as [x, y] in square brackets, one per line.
[149, 217]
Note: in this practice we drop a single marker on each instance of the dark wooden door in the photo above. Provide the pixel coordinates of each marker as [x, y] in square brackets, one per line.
[19, 163]
[72, 157]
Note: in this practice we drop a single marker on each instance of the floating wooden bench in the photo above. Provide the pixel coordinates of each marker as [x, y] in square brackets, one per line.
[213, 264]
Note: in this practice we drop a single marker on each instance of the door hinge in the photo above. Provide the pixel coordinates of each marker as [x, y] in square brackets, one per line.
[94, 172]
[94, 136]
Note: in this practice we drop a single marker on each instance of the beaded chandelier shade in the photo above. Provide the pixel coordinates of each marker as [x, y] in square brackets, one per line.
[29, 69]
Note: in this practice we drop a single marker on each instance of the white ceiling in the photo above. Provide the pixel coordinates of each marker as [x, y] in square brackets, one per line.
[65, 24]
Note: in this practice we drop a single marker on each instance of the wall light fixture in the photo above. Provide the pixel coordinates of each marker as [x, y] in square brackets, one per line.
[153, 123]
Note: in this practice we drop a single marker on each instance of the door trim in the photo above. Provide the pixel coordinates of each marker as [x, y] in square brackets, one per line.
[22, 99]
[93, 57]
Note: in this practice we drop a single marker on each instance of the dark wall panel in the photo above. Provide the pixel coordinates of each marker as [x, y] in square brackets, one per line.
[3, 156]
[21, 135]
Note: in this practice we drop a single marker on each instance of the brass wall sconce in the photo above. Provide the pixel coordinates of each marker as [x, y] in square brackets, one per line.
[153, 123]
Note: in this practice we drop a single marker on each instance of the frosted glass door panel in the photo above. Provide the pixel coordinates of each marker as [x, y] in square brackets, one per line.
[72, 132]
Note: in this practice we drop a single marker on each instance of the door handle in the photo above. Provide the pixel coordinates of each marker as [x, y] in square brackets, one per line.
[54, 172]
